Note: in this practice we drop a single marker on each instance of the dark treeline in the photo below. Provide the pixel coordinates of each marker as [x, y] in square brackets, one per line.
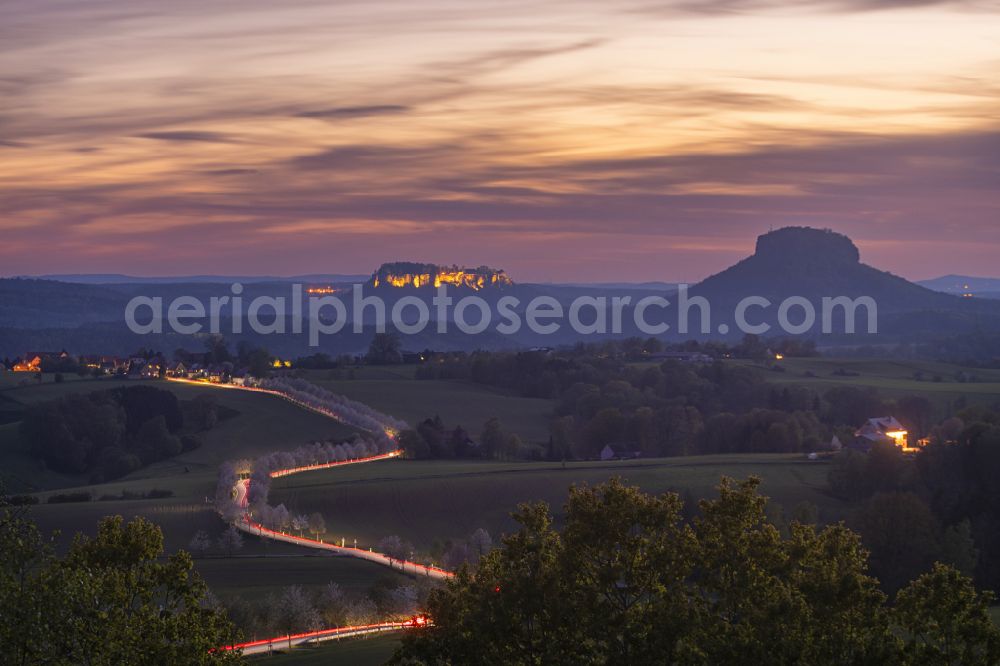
[981, 348]
[108, 434]
[432, 438]
[677, 406]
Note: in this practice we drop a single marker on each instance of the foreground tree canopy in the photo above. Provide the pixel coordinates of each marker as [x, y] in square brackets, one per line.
[629, 581]
[109, 601]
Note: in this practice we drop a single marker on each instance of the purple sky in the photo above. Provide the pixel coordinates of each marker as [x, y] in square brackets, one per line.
[572, 141]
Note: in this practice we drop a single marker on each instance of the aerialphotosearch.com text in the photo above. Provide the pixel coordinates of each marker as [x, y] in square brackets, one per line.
[651, 315]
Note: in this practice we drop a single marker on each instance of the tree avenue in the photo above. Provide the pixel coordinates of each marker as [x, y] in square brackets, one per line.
[628, 581]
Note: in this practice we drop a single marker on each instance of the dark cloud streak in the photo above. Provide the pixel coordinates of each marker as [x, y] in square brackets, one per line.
[344, 112]
[186, 136]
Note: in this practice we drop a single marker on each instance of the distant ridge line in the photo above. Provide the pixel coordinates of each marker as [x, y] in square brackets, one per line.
[117, 278]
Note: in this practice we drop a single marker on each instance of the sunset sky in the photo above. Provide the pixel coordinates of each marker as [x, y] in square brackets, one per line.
[569, 140]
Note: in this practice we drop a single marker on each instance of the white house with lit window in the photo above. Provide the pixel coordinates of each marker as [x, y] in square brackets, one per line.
[882, 429]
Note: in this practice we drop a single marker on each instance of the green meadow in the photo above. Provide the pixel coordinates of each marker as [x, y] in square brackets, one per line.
[431, 501]
[941, 383]
[21, 379]
[396, 392]
[251, 576]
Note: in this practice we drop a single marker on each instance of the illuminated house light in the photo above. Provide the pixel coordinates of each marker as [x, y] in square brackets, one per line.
[884, 429]
[31, 363]
[34, 365]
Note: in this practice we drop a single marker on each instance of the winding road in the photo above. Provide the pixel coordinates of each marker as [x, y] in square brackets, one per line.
[246, 524]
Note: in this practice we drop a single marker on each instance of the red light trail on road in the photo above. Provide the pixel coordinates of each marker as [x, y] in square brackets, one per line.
[247, 525]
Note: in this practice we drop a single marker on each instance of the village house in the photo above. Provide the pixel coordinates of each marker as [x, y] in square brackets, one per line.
[884, 430]
[134, 368]
[879, 430]
[28, 364]
[619, 452]
[105, 365]
[219, 373]
[33, 360]
[176, 369]
[151, 370]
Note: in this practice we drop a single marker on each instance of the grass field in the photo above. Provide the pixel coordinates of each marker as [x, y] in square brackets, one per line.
[251, 577]
[429, 501]
[261, 566]
[366, 372]
[394, 391]
[351, 652]
[32, 391]
[263, 424]
[179, 516]
[426, 502]
[17, 379]
[892, 378]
